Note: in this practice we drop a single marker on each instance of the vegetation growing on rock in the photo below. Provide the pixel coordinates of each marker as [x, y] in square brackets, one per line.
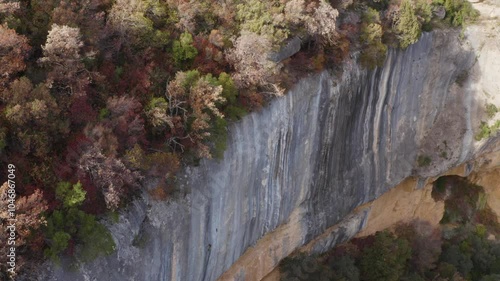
[96, 95]
[462, 247]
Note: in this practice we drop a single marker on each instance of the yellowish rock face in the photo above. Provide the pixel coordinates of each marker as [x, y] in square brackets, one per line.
[403, 204]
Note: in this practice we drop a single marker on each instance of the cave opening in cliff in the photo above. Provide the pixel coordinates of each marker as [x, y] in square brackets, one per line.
[465, 202]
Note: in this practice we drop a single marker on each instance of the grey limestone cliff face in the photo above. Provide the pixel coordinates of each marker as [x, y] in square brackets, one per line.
[305, 161]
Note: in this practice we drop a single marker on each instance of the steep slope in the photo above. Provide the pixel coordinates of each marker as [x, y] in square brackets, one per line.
[298, 167]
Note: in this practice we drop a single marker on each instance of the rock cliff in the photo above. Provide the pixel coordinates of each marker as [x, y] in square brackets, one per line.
[293, 173]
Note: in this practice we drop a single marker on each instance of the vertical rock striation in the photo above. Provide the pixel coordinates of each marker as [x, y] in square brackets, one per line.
[298, 167]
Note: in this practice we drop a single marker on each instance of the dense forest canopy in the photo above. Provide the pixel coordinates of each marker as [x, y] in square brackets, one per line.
[96, 95]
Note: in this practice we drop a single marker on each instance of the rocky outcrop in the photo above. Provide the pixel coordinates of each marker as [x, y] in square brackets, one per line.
[295, 170]
[290, 48]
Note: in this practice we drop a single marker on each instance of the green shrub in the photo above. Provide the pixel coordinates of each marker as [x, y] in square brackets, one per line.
[443, 155]
[140, 240]
[92, 237]
[486, 131]
[461, 78]
[491, 110]
[104, 113]
[423, 160]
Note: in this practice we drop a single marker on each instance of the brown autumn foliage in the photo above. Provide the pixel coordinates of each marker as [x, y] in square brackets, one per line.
[28, 216]
[210, 59]
[8, 7]
[109, 174]
[62, 56]
[250, 59]
[35, 118]
[14, 49]
[195, 105]
[126, 121]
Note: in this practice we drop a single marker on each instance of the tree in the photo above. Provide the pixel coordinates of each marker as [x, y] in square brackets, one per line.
[229, 90]
[29, 218]
[412, 277]
[59, 242]
[386, 259]
[128, 19]
[458, 12]
[183, 49]
[27, 105]
[157, 114]
[109, 174]
[70, 195]
[3, 139]
[323, 22]
[131, 21]
[34, 116]
[156, 164]
[345, 269]
[407, 25]
[250, 59]
[14, 49]
[8, 7]
[492, 277]
[374, 51]
[88, 15]
[193, 106]
[460, 260]
[102, 136]
[29, 211]
[210, 58]
[125, 120]
[75, 226]
[319, 20]
[63, 46]
[426, 243]
[264, 18]
[61, 54]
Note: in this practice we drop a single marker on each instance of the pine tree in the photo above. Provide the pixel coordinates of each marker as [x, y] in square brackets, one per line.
[407, 25]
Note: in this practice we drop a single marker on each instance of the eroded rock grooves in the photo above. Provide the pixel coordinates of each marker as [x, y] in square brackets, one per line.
[299, 167]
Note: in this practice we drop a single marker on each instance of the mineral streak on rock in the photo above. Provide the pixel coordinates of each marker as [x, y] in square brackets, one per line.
[299, 167]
